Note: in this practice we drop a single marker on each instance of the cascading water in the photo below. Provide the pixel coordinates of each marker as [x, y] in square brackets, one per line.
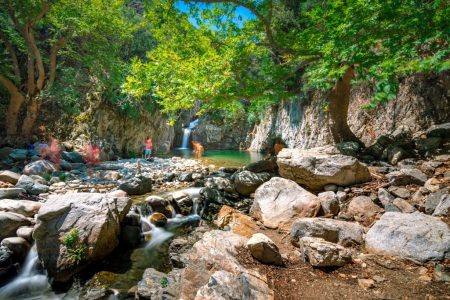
[187, 134]
[30, 284]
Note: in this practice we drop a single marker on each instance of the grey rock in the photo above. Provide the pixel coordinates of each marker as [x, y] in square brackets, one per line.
[39, 167]
[19, 246]
[349, 148]
[443, 208]
[415, 236]
[329, 203]
[280, 201]
[137, 186]
[406, 177]
[264, 249]
[393, 154]
[223, 184]
[341, 232]
[27, 183]
[185, 177]
[247, 182]
[428, 145]
[315, 170]
[158, 285]
[404, 206]
[376, 150]
[23, 207]
[97, 218]
[25, 232]
[10, 177]
[10, 192]
[441, 130]
[73, 157]
[433, 200]
[320, 253]
[341, 196]
[362, 208]
[385, 197]
[19, 154]
[7, 269]
[400, 192]
[9, 222]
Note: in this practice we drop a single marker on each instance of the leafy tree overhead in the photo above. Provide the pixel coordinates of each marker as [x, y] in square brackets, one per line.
[287, 45]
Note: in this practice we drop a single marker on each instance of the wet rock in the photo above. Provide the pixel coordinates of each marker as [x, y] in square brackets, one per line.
[159, 204]
[185, 177]
[315, 170]
[329, 203]
[10, 177]
[19, 246]
[182, 202]
[363, 209]
[34, 188]
[10, 192]
[19, 154]
[158, 285]
[320, 253]
[137, 186]
[39, 167]
[247, 182]
[238, 223]
[441, 130]
[406, 177]
[404, 206]
[23, 207]
[73, 157]
[9, 222]
[7, 269]
[433, 200]
[400, 192]
[415, 236]
[341, 232]
[279, 202]
[96, 217]
[158, 219]
[168, 177]
[443, 208]
[269, 166]
[25, 232]
[130, 235]
[264, 249]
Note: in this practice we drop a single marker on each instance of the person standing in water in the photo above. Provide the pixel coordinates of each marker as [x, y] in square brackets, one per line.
[148, 148]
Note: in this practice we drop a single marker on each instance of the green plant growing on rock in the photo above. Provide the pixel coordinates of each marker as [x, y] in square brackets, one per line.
[75, 249]
[164, 282]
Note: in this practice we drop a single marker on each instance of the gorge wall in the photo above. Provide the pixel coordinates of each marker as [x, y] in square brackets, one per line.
[422, 101]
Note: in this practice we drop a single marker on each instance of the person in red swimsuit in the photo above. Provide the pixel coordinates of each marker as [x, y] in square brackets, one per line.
[148, 148]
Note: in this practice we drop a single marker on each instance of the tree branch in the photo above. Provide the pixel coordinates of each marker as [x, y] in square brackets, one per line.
[9, 85]
[61, 42]
[12, 52]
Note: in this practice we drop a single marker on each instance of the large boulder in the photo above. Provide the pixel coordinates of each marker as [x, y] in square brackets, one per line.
[23, 207]
[320, 253]
[280, 201]
[415, 236]
[31, 186]
[8, 176]
[10, 222]
[264, 249]
[335, 231]
[90, 220]
[137, 186]
[315, 170]
[19, 154]
[247, 182]
[269, 166]
[39, 167]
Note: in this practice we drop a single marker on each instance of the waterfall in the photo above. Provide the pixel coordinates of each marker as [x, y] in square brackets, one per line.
[187, 134]
[30, 283]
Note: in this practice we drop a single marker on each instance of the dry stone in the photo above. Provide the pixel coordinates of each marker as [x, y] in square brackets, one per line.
[264, 249]
[320, 253]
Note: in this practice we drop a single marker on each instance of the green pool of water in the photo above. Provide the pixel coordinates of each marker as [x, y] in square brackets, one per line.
[222, 158]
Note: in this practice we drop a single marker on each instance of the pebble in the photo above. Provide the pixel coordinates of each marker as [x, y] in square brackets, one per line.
[366, 283]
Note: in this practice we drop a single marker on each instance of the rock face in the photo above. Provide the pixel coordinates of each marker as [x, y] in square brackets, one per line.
[137, 186]
[247, 182]
[415, 236]
[23, 207]
[320, 253]
[39, 167]
[97, 218]
[280, 201]
[10, 222]
[315, 170]
[334, 231]
[264, 249]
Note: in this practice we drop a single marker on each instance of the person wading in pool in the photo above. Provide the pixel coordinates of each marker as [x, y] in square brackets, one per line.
[148, 148]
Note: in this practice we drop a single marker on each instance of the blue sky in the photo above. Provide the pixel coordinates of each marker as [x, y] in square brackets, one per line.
[244, 13]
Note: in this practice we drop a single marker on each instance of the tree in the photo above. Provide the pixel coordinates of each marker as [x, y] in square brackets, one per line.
[34, 33]
[315, 44]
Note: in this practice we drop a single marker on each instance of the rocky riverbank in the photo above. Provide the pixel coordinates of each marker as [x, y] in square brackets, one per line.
[276, 229]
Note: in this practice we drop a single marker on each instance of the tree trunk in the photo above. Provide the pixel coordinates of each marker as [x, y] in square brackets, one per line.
[339, 101]
[31, 117]
[12, 115]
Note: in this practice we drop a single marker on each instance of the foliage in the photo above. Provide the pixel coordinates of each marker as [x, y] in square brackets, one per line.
[283, 46]
[164, 282]
[76, 250]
